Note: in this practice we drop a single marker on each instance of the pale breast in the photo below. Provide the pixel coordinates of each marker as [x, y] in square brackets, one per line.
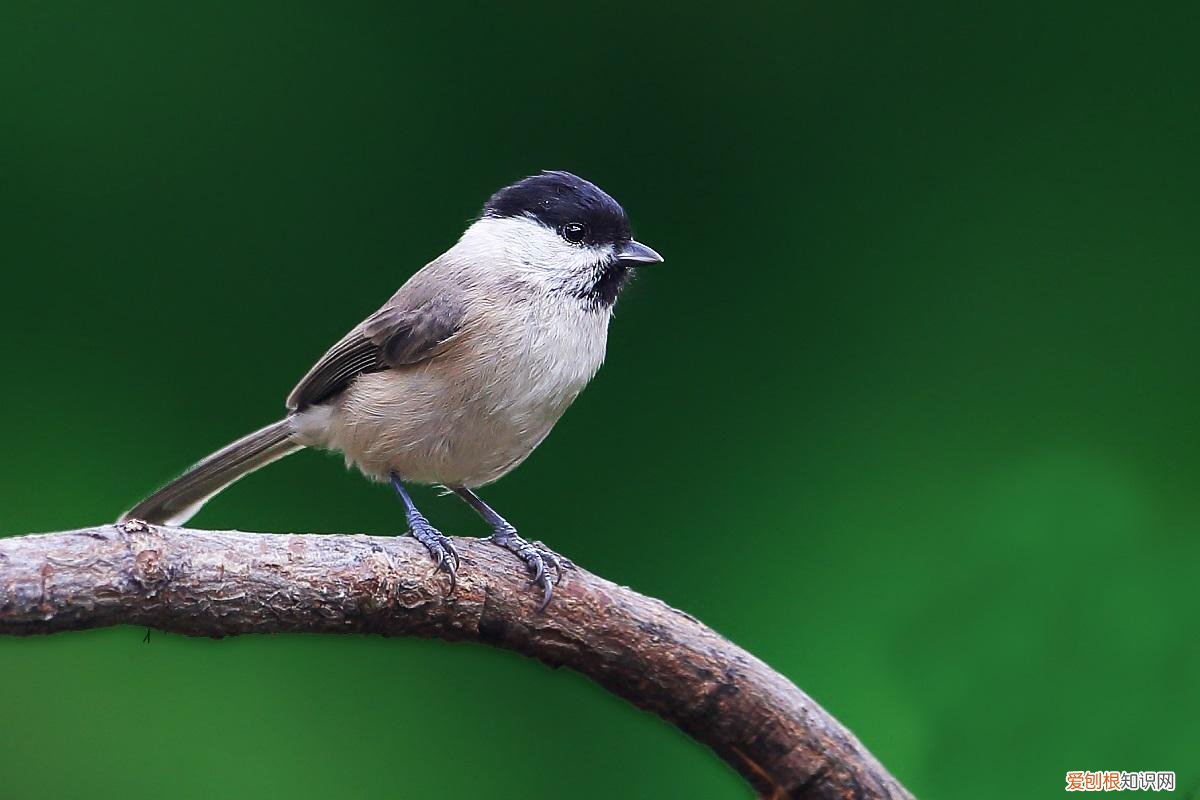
[469, 416]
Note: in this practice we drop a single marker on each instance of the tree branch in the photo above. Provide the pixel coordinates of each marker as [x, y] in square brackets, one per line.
[206, 583]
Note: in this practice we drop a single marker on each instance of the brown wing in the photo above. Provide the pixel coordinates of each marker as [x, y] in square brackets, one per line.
[413, 326]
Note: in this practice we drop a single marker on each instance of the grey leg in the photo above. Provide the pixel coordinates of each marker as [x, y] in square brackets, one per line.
[439, 546]
[533, 555]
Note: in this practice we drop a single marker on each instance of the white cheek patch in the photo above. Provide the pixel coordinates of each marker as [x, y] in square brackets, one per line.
[533, 251]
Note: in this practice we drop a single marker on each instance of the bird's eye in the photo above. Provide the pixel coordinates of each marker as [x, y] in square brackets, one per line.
[574, 232]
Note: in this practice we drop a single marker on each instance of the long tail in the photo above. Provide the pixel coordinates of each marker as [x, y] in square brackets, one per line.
[179, 500]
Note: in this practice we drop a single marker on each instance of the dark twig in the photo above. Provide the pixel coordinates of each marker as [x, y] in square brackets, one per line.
[206, 583]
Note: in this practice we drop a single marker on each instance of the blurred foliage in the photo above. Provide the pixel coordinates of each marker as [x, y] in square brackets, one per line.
[910, 412]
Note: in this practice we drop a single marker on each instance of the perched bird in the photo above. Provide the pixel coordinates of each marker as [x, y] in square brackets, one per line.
[464, 371]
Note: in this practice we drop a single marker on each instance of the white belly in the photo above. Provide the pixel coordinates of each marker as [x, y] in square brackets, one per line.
[470, 416]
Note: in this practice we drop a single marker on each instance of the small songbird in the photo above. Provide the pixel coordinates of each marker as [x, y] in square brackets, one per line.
[464, 371]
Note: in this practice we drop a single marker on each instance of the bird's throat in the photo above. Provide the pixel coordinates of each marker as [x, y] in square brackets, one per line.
[608, 281]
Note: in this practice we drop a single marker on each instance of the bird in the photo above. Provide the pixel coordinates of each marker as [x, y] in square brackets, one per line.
[463, 372]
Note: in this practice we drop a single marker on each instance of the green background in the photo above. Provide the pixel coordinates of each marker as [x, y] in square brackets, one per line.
[910, 412]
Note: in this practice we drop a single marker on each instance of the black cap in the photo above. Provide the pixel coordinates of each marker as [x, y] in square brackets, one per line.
[557, 199]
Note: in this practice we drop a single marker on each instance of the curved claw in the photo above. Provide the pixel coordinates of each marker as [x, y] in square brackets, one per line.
[440, 549]
[538, 566]
[560, 563]
[547, 594]
[446, 564]
[448, 553]
[554, 562]
[535, 557]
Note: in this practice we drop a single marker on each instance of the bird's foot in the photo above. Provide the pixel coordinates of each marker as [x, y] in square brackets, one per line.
[538, 559]
[439, 546]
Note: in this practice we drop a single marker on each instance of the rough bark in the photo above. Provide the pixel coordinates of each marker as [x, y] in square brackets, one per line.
[206, 583]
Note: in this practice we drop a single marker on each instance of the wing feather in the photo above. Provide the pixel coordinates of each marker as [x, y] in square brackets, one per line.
[413, 326]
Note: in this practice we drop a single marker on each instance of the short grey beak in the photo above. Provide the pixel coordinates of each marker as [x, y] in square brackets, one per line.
[633, 253]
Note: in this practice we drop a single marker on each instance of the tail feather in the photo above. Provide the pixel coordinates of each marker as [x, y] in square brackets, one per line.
[179, 500]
